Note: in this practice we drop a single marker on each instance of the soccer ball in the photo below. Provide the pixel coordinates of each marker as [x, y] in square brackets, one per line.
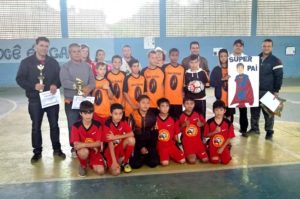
[196, 86]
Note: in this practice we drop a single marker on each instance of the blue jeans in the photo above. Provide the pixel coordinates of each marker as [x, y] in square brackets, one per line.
[72, 117]
[36, 114]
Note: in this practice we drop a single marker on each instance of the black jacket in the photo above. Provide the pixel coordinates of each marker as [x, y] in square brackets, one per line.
[270, 74]
[28, 73]
[216, 81]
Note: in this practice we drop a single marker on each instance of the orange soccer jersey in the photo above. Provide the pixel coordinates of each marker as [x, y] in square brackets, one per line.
[174, 83]
[117, 81]
[224, 95]
[102, 101]
[134, 87]
[155, 84]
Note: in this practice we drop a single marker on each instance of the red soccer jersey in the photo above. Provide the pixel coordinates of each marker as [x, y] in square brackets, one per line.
[191, 132]
[226, 132]
[81, 134]
[120, 129]
[166, 131]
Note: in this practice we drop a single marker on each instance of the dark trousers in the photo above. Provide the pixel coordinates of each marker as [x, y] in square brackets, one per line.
[72, 117]
[243, 119]
[269, 120]
[200, 107]
[36, 114]
[138, 160]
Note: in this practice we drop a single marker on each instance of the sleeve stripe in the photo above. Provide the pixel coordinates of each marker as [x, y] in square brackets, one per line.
[277, 67]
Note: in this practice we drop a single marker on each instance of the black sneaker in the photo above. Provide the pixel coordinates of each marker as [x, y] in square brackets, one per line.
[244, 134]
[82, 171]
[36, 157]
[252, 131]
[269, 137]
[60, 154]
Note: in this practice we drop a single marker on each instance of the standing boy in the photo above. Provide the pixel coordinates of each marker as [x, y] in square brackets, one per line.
[86, 138]
[174, 83]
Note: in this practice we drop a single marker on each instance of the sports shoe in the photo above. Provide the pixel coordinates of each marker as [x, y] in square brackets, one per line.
[244, 134]
[269, 137]
[36, 157]
[82, 171]
[252, 131]
[73, 153]
[60, 154]
[126, 168]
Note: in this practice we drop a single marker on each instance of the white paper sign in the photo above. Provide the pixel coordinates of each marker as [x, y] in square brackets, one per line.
[48, 99]
[78, 99]
[243, 84]
[149, 42]
[270, 101]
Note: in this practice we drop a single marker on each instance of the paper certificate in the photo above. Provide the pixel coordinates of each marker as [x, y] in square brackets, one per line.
[270, 101]
[48, 99]
[78, 99]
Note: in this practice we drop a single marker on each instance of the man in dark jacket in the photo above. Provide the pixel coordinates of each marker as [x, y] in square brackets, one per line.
[270, 79]
[27, 78]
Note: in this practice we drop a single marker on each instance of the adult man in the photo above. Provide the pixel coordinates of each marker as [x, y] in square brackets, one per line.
[270, 79]
[127, 57]
[27, 78]
[194, 50]
[238, 51]
[70, 71]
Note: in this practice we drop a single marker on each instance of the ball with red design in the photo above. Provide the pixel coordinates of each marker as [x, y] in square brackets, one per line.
[196, 86]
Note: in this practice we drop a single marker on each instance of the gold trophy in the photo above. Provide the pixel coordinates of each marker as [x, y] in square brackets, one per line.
[78, 86]
[41, 77]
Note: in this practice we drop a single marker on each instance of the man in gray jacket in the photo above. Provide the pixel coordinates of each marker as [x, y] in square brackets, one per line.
[70, 71]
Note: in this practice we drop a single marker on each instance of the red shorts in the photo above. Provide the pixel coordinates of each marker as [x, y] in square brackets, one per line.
[100, 119]
[119, 153]
[194, 147]
[94, 158]
[172, 151]
[224, 157]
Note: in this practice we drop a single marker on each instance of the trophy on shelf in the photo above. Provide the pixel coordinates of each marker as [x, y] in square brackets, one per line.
[41, 77]
[78, 86]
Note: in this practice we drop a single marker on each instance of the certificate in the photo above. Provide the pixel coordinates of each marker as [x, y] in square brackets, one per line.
[48, 99]
[270, 101]
[78, 99]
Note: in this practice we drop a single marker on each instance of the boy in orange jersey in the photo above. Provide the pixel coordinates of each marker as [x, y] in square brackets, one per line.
[102, 94]
[154, 81]
[174, 83]
[117, 77]
[134, 86]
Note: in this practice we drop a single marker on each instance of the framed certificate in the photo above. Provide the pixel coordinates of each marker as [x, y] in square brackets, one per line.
[48, 99]
[78, 99]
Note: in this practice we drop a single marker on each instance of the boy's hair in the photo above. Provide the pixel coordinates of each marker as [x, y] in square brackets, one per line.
[41, 39]
[151, 52]
[194, 57]
[173, 50]
[185, 99]
[116, 57]
[141, 97]
[240, 64]
[133, 61]
[99, 64]
[193, 43]
[116, 106]
[162, 100]
[218, 104]
[86, 106]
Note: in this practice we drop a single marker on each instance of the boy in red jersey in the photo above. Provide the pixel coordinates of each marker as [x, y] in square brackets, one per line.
[167, 129]
[86, 137]
[220, 131]
[120, 139]
[190, 124]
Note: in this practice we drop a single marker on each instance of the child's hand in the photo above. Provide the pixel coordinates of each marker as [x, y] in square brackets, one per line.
[186, 122]
[110, 136]
[217, 130]
[95, 149]
[86, 90]
[115, 166]
[105, 86]
[199, 123]
[144, 151]
[78, 145]
[101, 146]
[220, 150]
